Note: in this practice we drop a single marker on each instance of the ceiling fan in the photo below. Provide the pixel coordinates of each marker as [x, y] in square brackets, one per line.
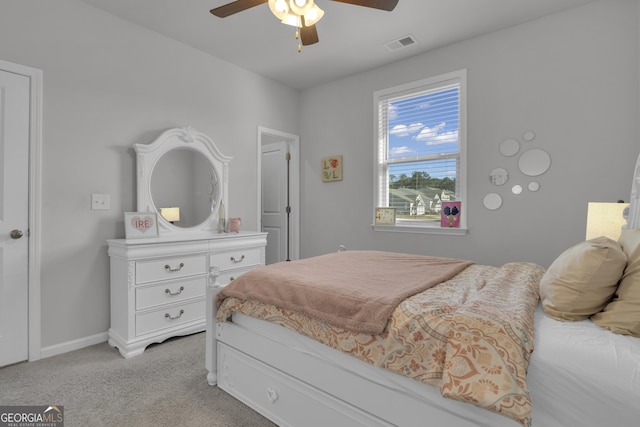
[302, 14]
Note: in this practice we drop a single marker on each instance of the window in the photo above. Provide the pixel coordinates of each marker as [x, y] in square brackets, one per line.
[420, 160]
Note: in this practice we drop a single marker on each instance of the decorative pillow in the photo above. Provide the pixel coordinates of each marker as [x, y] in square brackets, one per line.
[583, 279]
[622, 315]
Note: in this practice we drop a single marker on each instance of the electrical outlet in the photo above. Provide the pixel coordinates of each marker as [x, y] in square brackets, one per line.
[100, 202]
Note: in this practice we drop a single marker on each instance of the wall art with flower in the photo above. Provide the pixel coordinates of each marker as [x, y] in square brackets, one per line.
[332, 168]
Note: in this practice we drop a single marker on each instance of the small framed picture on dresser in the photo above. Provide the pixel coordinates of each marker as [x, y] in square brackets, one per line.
[139, 225]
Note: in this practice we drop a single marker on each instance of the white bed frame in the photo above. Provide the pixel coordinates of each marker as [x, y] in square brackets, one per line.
[295, 381]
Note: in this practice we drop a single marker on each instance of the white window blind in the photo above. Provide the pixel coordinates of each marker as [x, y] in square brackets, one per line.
[420, 148]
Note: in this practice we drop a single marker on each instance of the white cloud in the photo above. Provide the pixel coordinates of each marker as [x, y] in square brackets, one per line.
[404, 130]
[399, 151]
[433, 136]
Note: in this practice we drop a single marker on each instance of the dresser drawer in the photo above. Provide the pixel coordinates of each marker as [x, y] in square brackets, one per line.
[168, 317]
[170, 292]
[236, 259]
[170, 268]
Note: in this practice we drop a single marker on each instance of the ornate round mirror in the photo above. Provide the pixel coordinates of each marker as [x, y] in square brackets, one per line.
[183, 178]
[184, 187]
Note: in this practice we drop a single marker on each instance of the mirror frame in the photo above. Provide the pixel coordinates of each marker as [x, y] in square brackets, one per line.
[147, 156]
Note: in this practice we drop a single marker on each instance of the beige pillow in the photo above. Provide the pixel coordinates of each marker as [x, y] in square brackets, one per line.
[583, 279]
[622, 315]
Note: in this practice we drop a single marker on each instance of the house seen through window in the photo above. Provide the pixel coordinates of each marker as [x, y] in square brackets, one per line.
[420, 149]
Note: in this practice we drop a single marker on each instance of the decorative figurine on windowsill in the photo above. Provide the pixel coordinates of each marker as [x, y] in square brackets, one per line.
[450, 214]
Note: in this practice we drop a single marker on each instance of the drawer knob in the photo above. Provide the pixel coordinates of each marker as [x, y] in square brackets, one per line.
[235, 261]
[168, 316]
[178, 268]
[168, 291]
[272, 395]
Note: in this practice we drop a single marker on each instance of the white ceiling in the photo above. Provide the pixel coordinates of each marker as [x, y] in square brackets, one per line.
[352, 38]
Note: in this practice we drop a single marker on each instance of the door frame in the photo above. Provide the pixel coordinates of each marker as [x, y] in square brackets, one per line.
[35, 187]
[266, 135]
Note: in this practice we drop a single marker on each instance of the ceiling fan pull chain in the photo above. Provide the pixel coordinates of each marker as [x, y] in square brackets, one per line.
[298, 38]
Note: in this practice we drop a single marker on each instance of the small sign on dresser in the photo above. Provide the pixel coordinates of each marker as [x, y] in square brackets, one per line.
[140, 225]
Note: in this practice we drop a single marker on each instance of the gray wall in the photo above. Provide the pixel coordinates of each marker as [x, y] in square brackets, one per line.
[572, 78]
[109, 84]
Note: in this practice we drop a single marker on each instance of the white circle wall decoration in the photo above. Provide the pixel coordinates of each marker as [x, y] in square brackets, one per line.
[516, 189]
[492, 201]
[529, 136]
[498, 176]
[534, 162]
[509, 147]
[534, 186]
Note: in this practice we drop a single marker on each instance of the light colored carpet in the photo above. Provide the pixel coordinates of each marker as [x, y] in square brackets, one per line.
[165, 386]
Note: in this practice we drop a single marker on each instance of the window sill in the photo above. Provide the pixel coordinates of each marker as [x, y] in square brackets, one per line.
[420, 230]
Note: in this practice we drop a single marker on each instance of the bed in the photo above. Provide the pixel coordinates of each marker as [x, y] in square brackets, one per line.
[483, 346]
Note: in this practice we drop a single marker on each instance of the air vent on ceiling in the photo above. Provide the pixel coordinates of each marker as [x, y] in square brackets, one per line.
[401, 43]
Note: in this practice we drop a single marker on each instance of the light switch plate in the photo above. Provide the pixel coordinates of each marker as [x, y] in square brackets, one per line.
[100, 202]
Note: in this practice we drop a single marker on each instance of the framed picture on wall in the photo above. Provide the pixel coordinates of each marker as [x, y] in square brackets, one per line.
[332, 168]
[139, 225]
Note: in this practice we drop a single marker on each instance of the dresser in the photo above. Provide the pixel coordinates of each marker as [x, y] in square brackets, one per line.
[158, 285]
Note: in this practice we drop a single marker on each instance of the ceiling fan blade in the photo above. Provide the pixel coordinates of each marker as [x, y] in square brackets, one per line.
[387, 5]
[309, 35]
[235, 7]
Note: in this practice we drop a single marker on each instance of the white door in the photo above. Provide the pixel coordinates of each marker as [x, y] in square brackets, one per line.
[275, 201]
[14, 211]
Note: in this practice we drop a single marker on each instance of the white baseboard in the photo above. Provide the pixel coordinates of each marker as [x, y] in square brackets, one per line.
[65, 347]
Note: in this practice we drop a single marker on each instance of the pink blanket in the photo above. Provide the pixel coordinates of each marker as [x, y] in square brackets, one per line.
[355, 290]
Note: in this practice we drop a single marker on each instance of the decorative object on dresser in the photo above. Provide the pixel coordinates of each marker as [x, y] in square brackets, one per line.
[138, 225]
[235, 225]
[159, 280]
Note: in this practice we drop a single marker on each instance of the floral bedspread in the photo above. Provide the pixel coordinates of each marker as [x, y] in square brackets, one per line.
[470, 336]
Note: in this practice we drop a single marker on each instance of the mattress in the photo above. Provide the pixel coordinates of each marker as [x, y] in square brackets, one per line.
[583, 375]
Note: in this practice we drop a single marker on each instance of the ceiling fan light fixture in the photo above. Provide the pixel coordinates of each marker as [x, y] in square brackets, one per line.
[280, 8]
[313, 16]
[302, 14]
[301, 7]
[293, 20]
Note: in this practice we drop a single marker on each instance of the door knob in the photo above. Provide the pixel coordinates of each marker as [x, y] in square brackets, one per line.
[16, 234]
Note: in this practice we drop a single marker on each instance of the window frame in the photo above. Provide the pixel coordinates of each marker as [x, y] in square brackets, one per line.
[380, 175]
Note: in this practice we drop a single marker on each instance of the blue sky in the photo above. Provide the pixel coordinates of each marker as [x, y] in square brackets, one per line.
[423, 125]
